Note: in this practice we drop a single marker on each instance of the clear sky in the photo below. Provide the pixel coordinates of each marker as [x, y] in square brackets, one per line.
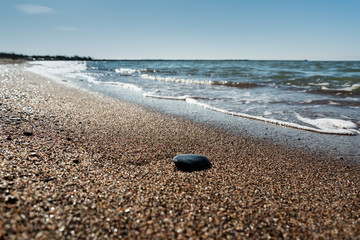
[183, 29]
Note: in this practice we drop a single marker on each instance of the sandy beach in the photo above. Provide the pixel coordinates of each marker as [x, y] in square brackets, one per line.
[79, 165]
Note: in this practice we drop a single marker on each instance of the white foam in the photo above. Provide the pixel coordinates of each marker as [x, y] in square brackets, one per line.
[334, 103]
[197, 82]
[61, 69]
[124, 85]
[346, 89]
[319, 84]
[351, 88]
[326, 130]
[128, 71]
[175, 80]
[181, 98]
[331, 125]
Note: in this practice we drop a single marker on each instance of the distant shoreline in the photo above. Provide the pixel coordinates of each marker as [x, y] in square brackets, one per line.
[20, 57]
[17, 58]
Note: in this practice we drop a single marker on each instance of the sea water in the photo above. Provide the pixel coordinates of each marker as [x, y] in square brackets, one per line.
[317, 96]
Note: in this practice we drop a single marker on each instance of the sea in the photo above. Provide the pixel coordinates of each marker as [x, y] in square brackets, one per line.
[316, 96]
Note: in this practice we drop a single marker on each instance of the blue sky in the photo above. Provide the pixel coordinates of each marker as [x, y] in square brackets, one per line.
[183, 29]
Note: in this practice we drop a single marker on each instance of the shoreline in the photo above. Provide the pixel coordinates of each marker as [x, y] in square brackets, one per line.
[78, 164]
[338, 146]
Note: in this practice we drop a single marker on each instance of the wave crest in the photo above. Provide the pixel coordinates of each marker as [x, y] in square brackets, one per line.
[244, 85]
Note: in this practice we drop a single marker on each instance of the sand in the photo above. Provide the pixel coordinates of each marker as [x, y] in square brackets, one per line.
[79, 165]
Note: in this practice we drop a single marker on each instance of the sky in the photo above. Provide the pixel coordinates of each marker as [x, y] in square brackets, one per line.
[183, 29]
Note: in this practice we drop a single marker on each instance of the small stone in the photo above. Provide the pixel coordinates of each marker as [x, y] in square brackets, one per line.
[11, 200]
[191, 162]
[28, 134]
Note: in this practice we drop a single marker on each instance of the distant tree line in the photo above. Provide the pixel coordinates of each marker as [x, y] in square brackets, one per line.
[14, 56]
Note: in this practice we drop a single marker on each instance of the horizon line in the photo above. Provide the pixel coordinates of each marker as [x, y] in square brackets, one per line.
[173, 59]
[216, 59]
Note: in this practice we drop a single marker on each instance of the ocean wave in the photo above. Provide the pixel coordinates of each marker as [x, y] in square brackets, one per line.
[127, 71]
[200, 82]
[172, 79]
[353, 90]
[133, 72]
[243, 85]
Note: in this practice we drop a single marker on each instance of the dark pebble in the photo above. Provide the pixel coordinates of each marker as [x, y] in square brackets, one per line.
[28, 133]
[11, 200]
[191, 162]
[9, 178]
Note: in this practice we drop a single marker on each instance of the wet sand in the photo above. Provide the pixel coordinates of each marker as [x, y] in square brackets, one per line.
[79, 165]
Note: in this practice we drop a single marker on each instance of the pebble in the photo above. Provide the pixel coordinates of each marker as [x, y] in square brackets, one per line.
[28, 134]
[11, 200]
[191, 162]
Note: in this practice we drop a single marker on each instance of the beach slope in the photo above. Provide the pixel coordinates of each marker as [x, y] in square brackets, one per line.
[76, 164]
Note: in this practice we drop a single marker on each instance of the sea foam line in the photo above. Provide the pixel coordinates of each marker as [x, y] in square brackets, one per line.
[326, 126]
[350, 132]
[337, 131]
[181, 98]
